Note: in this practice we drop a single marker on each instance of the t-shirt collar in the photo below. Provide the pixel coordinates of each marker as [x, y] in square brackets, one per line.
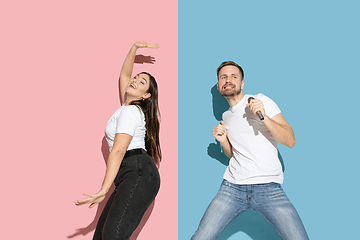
[233, 109]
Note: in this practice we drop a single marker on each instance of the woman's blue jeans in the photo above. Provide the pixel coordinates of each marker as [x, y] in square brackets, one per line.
[269, 200]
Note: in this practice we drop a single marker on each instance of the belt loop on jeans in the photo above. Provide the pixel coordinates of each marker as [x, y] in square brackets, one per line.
[133, 152]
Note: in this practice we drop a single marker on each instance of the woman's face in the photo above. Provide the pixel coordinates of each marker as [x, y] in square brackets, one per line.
[138, 86]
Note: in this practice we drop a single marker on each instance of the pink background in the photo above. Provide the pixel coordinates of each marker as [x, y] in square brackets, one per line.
[60, 62]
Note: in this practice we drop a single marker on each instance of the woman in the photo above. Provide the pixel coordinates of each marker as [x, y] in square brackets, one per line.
[133, 128]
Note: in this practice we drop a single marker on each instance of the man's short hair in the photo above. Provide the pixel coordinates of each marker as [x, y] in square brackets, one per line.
[229, 63]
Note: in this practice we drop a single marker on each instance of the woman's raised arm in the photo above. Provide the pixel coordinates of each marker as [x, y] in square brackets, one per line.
[127, 67]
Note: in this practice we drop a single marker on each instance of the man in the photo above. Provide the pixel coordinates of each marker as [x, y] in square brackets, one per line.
[248, 135]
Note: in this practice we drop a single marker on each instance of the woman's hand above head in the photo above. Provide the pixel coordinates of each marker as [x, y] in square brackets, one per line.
[127, 67]
[143, 44]
[92, 199]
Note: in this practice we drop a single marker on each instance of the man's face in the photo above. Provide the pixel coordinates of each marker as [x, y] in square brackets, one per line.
[230, 81]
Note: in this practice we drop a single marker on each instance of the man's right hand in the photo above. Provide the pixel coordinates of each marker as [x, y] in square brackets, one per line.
[219, 132]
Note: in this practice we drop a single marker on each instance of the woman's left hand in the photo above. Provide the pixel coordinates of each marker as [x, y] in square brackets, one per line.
[92, 199]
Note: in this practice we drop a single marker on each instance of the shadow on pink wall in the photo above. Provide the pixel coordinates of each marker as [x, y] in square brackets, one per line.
[91, 227]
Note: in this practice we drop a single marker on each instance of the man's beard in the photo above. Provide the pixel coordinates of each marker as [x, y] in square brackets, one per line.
[231, 94]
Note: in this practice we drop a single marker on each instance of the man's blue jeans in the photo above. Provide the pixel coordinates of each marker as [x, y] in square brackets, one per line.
[269, 200]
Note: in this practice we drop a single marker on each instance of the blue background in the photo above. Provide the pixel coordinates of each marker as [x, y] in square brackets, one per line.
[305, 56]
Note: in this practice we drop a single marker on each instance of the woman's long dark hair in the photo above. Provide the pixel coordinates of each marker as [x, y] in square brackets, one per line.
[150, 108]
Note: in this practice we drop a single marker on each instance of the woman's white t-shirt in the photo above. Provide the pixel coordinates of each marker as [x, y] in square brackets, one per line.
[130, 120]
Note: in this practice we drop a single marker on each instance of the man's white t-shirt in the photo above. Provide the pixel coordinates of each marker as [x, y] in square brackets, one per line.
[130, 120]
[255, 156]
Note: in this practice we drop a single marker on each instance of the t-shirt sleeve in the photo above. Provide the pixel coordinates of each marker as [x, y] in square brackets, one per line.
[128, 120]
[271, 109]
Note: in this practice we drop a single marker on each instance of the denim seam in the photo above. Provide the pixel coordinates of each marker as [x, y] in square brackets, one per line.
[234, 216]
[269, 223]
[127, 204]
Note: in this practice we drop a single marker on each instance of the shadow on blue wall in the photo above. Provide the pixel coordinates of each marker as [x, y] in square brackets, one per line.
[250, 222]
